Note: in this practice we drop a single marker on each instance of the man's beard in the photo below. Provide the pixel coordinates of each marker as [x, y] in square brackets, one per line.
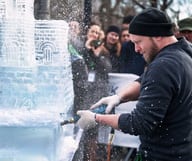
[152, 53]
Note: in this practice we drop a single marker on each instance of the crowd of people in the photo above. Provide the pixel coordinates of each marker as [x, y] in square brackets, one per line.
[150, 46]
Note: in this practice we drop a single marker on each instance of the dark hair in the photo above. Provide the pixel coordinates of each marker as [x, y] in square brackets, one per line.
[113, 28]
[127, 19]
[124, 28]
[86, 28]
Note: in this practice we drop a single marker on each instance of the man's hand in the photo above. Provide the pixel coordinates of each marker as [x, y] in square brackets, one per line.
[110, 101]
[87, 119]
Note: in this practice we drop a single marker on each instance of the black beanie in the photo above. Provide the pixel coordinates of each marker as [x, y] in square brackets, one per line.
[113, 28]
[151, 22]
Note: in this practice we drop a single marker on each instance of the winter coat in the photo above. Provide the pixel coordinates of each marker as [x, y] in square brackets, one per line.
[163, 114]
[100, 66]
[131, 61]
[114, 58]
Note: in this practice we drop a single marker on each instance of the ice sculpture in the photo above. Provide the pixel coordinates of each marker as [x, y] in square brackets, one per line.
[35, 85]
[54, 76]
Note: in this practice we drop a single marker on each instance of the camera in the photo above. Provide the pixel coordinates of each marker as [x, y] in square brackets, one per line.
[96, 43]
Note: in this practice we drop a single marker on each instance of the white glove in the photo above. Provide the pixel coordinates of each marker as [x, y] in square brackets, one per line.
[110, 101]
[87, 119]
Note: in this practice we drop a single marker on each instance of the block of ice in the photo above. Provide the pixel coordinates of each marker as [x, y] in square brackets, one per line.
[30, 133]
[35, 135]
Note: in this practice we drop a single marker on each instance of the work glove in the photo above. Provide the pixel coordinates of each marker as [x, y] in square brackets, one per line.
[110, 101]
[87, 119]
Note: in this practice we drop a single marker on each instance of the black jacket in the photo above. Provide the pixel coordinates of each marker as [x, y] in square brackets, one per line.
[131, 61]
[163, 114]
[101, 66]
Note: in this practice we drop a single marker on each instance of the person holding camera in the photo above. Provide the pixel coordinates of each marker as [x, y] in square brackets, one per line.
[96, 57]
[98, 66]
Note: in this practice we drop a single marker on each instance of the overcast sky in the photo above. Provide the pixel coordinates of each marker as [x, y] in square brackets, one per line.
[185, 10]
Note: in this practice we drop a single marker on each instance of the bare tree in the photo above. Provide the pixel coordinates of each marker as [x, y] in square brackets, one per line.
[104, 12]
[58, 9]
[112, 12]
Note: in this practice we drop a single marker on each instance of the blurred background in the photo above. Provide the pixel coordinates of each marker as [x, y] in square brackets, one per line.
[107, 11]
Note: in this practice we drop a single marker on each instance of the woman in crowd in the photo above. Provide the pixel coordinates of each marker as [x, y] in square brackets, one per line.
[113, 46]
[97, 61]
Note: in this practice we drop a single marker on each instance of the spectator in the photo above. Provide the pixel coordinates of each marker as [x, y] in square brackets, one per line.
[98, 63]
[126, 21]
[125, 28]
[113, 46]
[185, 28]
[163, 114]
[124, 35]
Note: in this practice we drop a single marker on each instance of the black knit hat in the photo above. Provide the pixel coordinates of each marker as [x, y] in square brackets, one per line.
[151, 22]
[113, 28]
